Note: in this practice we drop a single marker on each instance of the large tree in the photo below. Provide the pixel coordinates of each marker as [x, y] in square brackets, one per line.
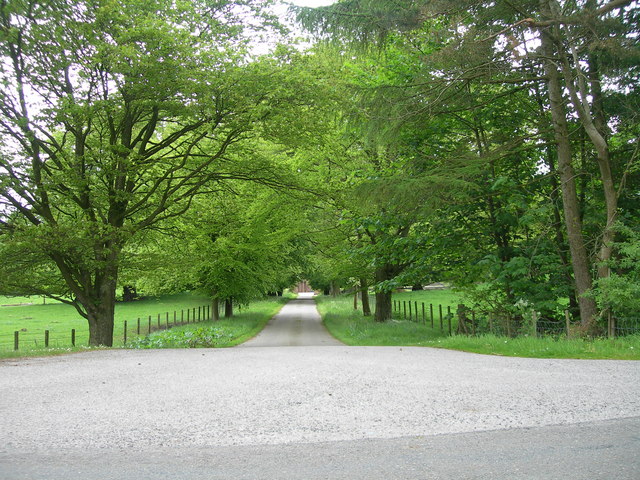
[114, 114]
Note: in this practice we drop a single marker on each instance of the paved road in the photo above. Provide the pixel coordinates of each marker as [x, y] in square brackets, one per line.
[298, 324]
[317, 412]
[591, 451]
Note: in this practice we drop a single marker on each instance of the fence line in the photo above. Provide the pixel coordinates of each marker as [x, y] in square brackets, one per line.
[468, 322]
[129, 331]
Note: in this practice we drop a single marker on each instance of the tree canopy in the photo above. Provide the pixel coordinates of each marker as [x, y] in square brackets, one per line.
[493, 145]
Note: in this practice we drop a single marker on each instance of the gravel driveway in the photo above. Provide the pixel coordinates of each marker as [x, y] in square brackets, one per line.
[141, 399]
[202, 398]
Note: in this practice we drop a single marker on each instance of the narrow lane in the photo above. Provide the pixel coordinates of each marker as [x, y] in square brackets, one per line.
[298, 324]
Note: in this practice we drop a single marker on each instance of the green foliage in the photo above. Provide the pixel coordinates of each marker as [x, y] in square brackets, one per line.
[208, 337]
[240, 243]
[621, 290]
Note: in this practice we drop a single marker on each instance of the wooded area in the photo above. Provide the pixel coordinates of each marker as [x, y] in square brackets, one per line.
[490, 145]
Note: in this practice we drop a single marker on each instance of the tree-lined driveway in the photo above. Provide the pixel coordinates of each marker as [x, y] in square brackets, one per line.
[317, 412]
[297, 324]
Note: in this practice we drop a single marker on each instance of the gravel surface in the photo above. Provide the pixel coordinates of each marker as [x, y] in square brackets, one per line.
[249, 396]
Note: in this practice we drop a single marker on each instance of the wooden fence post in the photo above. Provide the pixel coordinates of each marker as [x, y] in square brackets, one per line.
[440, 311]
[125, 332]
[188, 312]
[166, 318]
[73, 337]
[16, 340]
[449, 317]
[138, 330]
[611, 323]
[404, 309]
[431, 313]
[175, 319]
[149, 324]
[159, 326]
[409, 310]
[46, 338]
[424, 317]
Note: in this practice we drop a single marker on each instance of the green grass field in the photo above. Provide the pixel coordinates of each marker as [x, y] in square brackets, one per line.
[405, 304]
[31, 321]
[350, 327]
[444, 297]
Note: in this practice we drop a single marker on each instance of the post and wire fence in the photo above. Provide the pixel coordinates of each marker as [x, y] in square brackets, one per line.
[466, 321]
[142, 326]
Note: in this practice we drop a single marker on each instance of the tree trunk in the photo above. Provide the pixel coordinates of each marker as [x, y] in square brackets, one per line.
[100, 314]
[364, 293]
[383, 298]
[215, 309]
[383, 307]
[129, 293]
[579, 258]
[559, 237]
[94, 290]
[554, 195]
[228, 308]
[595, 128]
[355, 299]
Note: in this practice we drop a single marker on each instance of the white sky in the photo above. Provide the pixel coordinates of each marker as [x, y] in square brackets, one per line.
[264, 45]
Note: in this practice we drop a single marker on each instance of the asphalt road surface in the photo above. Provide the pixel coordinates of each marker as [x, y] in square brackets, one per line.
[317, 412]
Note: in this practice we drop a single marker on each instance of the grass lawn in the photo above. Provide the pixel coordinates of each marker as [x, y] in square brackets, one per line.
[350, 327]
[32, 320]
[444, 297]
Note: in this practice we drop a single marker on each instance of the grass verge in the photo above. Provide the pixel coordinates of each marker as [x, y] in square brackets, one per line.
[226, 332]
[351, 328]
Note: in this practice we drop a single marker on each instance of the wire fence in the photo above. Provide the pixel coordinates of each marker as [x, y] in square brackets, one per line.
[130, 329]
[465, 321]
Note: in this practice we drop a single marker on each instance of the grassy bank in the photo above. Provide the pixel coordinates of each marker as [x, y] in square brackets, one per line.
[350, 327]
[223, 333]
